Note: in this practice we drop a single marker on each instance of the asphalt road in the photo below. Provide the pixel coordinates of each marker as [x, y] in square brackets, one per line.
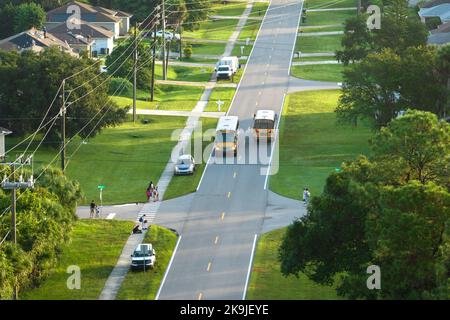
[213, 256]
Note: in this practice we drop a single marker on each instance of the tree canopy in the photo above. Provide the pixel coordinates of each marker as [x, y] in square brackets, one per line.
[390, 210]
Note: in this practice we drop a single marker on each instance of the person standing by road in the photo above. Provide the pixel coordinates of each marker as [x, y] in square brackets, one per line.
[92, 207]
[306, 195]
[141, 220]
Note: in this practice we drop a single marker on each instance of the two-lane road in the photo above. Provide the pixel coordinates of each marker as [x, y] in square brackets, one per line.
[213, 256]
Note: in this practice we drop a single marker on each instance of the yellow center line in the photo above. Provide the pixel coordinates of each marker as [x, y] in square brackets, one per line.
[216, 240]
[209, 266]
[200, 296]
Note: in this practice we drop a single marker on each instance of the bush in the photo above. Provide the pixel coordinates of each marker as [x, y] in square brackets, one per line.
[433, 22]
[120, 86]
[187, 51]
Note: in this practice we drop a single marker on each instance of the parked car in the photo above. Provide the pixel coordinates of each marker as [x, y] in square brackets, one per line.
[224, 72]
[185, 165]
[168, 35]
[103, 69]
[143, 257]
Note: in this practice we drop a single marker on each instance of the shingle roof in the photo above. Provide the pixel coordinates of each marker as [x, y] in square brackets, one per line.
[442, 11]
[86, 29]
[443, 28]
[27, 39]
[439, 38]
[95, 13]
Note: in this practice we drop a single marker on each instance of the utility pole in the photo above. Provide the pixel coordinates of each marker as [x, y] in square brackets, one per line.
[63, 128]
[152, 87]
[135, 71]
[164, 40]
[13, 186]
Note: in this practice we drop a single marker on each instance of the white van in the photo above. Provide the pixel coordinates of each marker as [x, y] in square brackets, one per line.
[227, 135]
[264, 125]
[227, 66]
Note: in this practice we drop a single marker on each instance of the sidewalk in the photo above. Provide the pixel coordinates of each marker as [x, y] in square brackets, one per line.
[179, 113]
[150, 209]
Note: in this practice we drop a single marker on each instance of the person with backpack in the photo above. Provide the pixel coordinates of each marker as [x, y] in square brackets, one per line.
[93, 206]
[306, 196]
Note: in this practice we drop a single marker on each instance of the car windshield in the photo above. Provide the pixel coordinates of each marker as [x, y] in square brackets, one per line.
[264, 124]
[225, 137]
[224, 68]
[142, 253]
[184, 161]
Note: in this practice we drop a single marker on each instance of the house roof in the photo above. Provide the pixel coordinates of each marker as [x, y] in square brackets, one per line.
[88, 12]
[433, 3]
[85, 30]
[30, 38]
[442, 11]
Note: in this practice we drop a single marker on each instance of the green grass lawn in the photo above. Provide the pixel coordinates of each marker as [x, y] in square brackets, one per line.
[319, 72]
[267, 282]
[95, 247]
[194, 74]
[312, 144]
[124, 159]
[322, 28]
[316, 4]
[327, 17]
[228, 9]
[259, 9]
[207, 48]
[318, 44]
[197, 60]
[217, 29]
[318, 58]
[237, 50]
[167, 97]
[140, 285]
[223, 94]
[182, 185]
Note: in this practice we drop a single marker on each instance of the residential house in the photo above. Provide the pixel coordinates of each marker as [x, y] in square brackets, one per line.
[35, 40]
[86, 37]
[116, 21]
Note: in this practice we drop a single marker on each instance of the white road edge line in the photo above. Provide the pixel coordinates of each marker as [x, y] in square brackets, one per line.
[275, 141]
[249, 267]
[168, 268]
[296, 37]
[239, 84]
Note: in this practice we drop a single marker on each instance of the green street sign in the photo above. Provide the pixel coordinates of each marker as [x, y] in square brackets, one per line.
[338, 169]
[101, 187]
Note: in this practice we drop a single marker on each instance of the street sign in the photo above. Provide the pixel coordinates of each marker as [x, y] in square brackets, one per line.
[247, 41]
[242, 50]
[101, 187]
[219, 104]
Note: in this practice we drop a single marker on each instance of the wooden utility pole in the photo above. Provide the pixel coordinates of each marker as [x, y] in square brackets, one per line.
[152, 87]
[135, 55]
[63, 128]
[164, 40]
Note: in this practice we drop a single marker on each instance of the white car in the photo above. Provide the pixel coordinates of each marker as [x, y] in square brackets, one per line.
[103, 69]
[168, 35]
[185, 165]
[143, 257]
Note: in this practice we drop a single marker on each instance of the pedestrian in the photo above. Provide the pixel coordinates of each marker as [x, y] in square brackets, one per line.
[156, 194]
[150, 188]
[149, 194]
[141, 220]
[306, 195]
[92, 207]
[97, 212]
[144, 225]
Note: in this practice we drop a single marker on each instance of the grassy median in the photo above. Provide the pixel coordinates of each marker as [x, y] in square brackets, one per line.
[267, 282]
[313, 144]
[95, 247]
[140, 285]
[319, 72]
